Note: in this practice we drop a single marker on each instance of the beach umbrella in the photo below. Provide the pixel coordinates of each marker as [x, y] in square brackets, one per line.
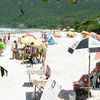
[93, 45]
[28, 38]
[48, 33]
[90, 43]
[29, 35]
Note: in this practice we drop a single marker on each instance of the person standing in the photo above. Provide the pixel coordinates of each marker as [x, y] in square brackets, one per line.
[1, 50]
[14, 48]
[43, 52]
[5, 39]
[32, 53]
[8, 36]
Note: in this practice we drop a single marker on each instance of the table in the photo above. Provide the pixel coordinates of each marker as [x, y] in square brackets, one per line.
[35, 74]
[39, 86]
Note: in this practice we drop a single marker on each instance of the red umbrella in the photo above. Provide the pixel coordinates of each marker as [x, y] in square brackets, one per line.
[29, 35]
[97, 55]
[28, 38]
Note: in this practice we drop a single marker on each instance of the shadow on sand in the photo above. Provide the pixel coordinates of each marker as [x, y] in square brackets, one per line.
[31, 96]
[27, 84]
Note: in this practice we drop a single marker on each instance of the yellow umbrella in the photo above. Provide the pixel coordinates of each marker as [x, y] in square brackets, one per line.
[27, 39]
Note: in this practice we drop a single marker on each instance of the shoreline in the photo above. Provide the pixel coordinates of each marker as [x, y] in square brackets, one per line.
[18, 30]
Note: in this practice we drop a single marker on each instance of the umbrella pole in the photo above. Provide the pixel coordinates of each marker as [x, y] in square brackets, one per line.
[89, 76]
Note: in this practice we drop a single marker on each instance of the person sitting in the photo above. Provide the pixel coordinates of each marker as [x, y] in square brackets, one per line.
[47, 72]
[95, 74]
[97, 68]
[51, 41]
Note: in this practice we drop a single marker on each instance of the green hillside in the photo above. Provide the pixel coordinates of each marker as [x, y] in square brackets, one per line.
[37, 14]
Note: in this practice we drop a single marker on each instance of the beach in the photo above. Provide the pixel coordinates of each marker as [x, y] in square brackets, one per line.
[66, 68]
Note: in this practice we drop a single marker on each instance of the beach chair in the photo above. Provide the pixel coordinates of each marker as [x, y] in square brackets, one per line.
[82, 83]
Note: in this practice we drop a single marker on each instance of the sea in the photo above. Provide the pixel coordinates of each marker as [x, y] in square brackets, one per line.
[17, 30]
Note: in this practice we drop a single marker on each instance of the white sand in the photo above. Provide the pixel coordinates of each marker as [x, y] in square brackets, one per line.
[66, 68]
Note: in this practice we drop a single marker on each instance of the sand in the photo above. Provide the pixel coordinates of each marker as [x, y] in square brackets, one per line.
[66, 68]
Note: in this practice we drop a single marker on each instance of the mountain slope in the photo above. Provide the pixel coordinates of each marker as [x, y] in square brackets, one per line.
[36, 14]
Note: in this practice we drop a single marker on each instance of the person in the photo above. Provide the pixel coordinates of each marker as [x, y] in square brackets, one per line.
[14, 48]
[32, 53]
[51, 41]
[47, 72]
[97, 68]
[37, 55]
[1, 50]
[42, 34]
[5, 39]
[95, 74]
[43, 52]
[8, 36]
[32, 49]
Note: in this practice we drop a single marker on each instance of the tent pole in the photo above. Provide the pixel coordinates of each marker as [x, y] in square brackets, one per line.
[89, 75]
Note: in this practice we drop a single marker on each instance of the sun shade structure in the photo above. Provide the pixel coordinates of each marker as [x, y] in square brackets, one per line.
[29, 35]
[93, 45]
[48, 33]
[88, 43]
[28, 38]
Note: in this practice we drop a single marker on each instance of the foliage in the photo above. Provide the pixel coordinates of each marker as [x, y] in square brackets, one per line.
[90, 25]
[39, 14]
[73, 1]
